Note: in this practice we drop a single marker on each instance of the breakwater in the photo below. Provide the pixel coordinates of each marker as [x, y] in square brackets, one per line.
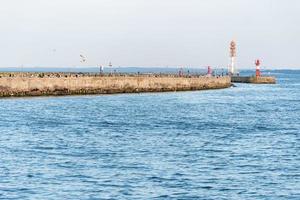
[254, 79]
[39, 84]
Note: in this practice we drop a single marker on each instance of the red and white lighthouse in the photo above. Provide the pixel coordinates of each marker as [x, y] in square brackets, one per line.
[209, 71]
[232, 65]
[257, 63]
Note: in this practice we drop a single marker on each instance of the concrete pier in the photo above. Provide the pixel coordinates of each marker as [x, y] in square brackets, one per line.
[254, 79]
[38, 84]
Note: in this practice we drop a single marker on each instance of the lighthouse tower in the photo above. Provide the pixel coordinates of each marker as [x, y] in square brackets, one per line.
[232, 65]
[257, 63]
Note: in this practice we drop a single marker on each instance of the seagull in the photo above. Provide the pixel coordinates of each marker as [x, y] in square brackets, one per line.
[83, 59]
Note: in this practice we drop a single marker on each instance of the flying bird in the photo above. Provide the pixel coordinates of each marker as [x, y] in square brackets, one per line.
[83, 58]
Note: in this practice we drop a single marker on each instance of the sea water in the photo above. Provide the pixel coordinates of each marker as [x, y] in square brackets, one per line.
[237, 143]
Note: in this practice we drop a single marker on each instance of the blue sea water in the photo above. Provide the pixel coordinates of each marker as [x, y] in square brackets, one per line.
[236, 143]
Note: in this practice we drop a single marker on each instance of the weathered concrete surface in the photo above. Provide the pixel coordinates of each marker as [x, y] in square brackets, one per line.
[254, 79]
[35, 86]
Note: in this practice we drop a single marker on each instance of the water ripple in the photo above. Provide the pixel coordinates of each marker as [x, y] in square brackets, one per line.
[237, 143]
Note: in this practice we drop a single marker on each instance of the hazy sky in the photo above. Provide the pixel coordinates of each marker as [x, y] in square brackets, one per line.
[149, 32]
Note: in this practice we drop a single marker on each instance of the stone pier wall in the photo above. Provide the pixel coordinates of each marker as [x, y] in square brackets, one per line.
[16, 85]
[254, 79]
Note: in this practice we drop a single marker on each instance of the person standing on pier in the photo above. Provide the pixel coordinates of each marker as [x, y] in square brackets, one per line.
[101, 70]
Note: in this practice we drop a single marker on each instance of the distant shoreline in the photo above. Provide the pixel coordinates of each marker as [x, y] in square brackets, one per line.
[129, 69]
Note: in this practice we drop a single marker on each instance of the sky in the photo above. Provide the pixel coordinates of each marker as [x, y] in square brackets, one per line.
[149, 33]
